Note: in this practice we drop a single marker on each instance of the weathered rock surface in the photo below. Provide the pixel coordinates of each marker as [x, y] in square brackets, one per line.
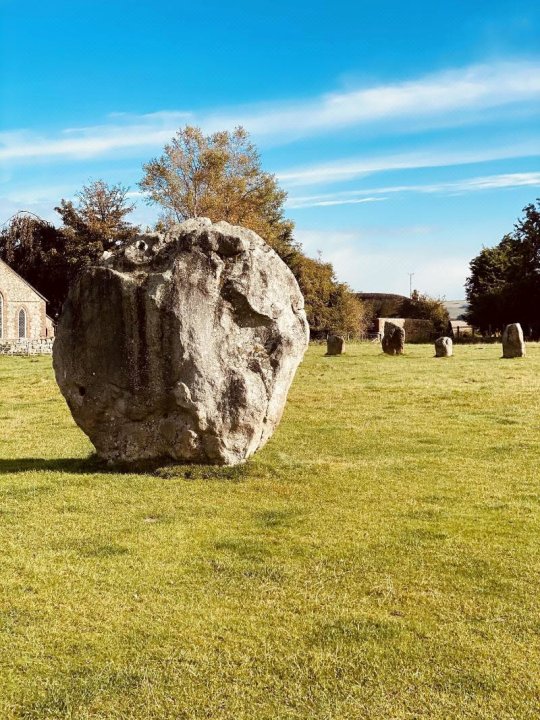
[443, 347]
[393, 340]
[334, 345]
[512, 341]
[182, 346]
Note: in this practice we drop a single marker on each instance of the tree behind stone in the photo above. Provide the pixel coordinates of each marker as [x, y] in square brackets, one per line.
[98, 221]
[219, 176]
[37, 250]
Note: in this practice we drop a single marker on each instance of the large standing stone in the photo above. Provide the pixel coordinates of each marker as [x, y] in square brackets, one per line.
[443, 347]
[334, 345]
[512, 341]
[393, 340]
[182, 346]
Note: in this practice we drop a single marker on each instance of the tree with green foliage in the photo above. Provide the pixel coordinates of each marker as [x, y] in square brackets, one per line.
[37, 250]
[504, 284]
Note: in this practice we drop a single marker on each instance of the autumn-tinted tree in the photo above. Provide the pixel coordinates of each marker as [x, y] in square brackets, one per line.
[504, 284]
[219, 176]
[98, 220]
[49, 257]
[330, 305]
[423, 307]
[347, 313]
[418, 306]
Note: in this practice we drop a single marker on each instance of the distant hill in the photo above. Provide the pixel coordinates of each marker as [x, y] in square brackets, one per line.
[456, 308]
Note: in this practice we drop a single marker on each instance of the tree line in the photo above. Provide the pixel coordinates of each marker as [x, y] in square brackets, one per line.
[218, 176]
[504, 282]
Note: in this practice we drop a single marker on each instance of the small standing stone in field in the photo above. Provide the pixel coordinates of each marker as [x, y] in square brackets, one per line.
[443, 347]
[334, 345]
[512, 341]
[393, 341]
[182, 345]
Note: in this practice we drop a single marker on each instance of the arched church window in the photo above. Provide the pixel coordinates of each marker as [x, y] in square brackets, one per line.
[22, 323]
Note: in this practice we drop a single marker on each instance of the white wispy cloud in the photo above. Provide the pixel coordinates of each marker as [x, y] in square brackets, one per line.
[349, 169]
[445, 97]
[327, 200]
[477, 87]
[80, 143]
[497, 181]
[353, 197]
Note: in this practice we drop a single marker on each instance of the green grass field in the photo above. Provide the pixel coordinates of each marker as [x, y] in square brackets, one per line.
[379, 559]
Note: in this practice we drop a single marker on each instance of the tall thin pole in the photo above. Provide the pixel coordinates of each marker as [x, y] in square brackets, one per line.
[411, 275]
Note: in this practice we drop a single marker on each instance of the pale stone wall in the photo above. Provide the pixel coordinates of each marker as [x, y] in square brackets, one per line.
[18, 295]
[50, 327]
[418, 331]
[400, 322]
[43, 346]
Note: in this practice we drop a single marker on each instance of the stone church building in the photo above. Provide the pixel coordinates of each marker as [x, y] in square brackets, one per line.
[22, 309]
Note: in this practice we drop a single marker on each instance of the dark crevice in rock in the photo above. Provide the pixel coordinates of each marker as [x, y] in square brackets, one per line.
[244, 314]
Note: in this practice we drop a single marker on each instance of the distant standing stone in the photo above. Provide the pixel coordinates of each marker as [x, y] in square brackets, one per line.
[334, 345]
[393, 341]
[443, 347]
[512, 341]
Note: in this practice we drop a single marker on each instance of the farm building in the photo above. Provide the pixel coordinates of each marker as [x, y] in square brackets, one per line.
[387, 306]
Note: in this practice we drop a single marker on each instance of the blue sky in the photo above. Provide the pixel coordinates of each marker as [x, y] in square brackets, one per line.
[407, 134]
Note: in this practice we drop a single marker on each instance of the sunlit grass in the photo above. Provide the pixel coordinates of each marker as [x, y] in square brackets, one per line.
[379, 559]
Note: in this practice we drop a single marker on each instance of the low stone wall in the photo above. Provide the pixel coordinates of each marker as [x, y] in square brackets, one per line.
[416, 331]
[26, 347]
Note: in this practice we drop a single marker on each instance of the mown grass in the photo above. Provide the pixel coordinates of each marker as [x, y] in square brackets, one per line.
[378, 559]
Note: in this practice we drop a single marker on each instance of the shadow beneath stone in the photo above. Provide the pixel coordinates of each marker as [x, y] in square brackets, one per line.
[81, 466]
[92, 465]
